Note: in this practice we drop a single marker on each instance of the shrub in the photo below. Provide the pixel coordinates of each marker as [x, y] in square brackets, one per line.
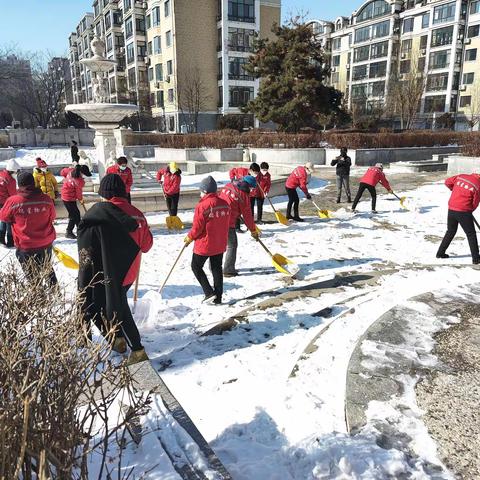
[3, 141]
[471, 149]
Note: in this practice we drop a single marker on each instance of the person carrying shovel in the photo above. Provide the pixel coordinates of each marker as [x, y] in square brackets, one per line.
[299, 178]
[258, 194]
[171, 178]
[373, 176]
[211, 223]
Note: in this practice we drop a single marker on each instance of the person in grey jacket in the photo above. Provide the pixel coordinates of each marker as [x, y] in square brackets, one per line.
[343, 163]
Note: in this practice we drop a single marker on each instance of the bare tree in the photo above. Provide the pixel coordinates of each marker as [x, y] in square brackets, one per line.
[472, 111]
[405, 93]
[192, 96]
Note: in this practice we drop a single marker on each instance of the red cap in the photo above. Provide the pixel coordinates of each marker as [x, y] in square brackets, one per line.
[41, 163]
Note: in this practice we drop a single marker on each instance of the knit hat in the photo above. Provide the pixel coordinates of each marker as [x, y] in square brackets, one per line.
[12, 166]
[379, 165]
[208, 185]
[25, 179]
[85, 170]
[252, 181]
[112, 186]
[41, 163]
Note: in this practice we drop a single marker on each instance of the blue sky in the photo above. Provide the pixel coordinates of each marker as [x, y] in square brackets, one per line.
[34, 25]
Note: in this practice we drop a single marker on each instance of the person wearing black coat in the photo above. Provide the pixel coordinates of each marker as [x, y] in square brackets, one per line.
[343, 163]
[74, 152]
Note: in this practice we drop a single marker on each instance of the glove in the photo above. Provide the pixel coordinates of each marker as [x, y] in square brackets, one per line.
[187, 240]
[255, 234]
[309, 197]
[390, 191]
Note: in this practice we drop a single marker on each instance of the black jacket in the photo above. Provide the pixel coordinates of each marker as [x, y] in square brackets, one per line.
[106, 251]
[343, 165]
[74, 153]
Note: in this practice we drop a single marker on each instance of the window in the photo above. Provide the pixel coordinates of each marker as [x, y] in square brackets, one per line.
[150, 74]
[378, 69]
[159, 72]
[361, 54]
[475, 7]
[406, 46]
[444, 13]
[241, 11]
[169, 67]
[359, 91]
[170, 95]
[379, 50]
[108, 21]
[96, 10]
[374, 9]
[439, 59]
[239, 39]
[362, 34]
[442, 36]
[150, 48]
[408, 25]
[405, 66]
[473, 31]
[435, 104]
[128, 28]
[149, 21]
[426, 20]
[220, 68]
[157, 45]
[155, 16]
[132, 79]
[171, 121]
[130, 53]
[167, 8]
[160, 99]
[336, 61]
[168, 38]
[117, 18]
[423, 42]
[140, 25]
[337, 43]
[471, 55]
[236, 70]
[465, 101]
[335, 77]
[359, 72]
[240, 96]
[109, 42]
[437, 82]
[377, 89]
[421, 64]
[127, 5]
[142, 50]
[381, 29]
[468, 78]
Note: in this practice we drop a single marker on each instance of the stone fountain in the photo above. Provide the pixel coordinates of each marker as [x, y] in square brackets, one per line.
[104, 117]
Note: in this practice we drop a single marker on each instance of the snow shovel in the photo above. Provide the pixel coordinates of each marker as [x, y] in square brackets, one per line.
[171, 270]
[82, 203]
[322, 213]
[402, 200]
[65, 259]
[281, 263]
[135, 292]
[476, 223]
[176, 223]
[281, 218]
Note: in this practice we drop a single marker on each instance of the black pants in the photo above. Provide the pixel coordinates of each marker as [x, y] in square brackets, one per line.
[73, 215]
[128, 327]
[293, 200]
[362, 188]
[32, 263]
[172, 204]
[260, 202]
[465, 219]
[129, 198]
[198, 262]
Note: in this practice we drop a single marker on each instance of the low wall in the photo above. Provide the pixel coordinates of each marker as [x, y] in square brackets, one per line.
[41, 137]
[6, 154]
[367, 158]
[166, 155]
[458, 164]
[291, 156]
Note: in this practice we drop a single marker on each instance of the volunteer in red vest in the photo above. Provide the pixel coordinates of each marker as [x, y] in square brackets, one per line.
[122, 169]
[237, 195]
[257, 195]
[72, 191]
[238, 174]
[8, 187]
[171, 178]
[299, 178]
[373, 176]
[211, 223]
[31, 214]
[464, 200]
[111, 238]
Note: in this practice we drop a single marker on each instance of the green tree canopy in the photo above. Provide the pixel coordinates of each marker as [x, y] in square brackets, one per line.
[293, 72]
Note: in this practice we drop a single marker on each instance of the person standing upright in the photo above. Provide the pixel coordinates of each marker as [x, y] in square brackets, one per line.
[257, 195]
[31, 214]
[464, 200]
[124, 171]
[299, 178]
[211, 223]
[8, 187]
[373, 176]
[171, 178]
[74, 152]
[45, 180]
[343, 163]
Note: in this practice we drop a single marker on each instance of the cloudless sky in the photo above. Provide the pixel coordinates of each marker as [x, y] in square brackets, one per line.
[34, 25]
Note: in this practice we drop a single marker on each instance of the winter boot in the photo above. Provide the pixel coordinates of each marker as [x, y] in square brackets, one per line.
[298, 219]
[70, 235]
[209, 298]
[338, 200]
[137, 356]
[442, 255]
[349, 200]
[119, 345]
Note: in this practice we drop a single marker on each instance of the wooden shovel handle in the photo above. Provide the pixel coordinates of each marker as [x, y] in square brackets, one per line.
[137, 280]
[171, 270]
[268, 198]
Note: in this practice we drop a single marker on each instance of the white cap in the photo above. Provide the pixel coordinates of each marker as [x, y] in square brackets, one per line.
[309, 166]
[379, 165]
[12, 166]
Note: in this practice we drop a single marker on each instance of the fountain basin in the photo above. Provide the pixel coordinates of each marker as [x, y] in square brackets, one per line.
[103, 113]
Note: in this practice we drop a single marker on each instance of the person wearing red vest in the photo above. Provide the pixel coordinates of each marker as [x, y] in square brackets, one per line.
[31, 214]
[237, 175]
[171, 178]
[125, 173]
[8, 187]
[464, 200]
[237, 195]
[211, 223]
[111, 237]
[373, 176]
[257, 195]
[299, 178]
[72, 190]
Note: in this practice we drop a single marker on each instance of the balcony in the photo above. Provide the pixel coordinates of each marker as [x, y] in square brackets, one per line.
[245, 78]
[240, 48]
[232, 18]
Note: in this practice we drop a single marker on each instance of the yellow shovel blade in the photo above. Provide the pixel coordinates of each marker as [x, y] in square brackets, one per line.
[258, 230]
[284, 265]
[325, 214]
[177, 224]
[281, 218]
[67, 260]
[402, 203]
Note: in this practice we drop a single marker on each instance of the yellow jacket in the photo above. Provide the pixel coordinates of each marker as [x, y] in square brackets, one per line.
[46, 182]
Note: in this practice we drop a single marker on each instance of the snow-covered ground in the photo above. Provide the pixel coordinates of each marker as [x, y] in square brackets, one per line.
[237, 388]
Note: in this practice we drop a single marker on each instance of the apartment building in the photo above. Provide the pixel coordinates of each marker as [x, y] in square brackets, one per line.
[180, 60]
[387, 41]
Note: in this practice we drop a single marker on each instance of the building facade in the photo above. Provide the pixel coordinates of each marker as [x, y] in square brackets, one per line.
[387, 41]
[180, 61]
